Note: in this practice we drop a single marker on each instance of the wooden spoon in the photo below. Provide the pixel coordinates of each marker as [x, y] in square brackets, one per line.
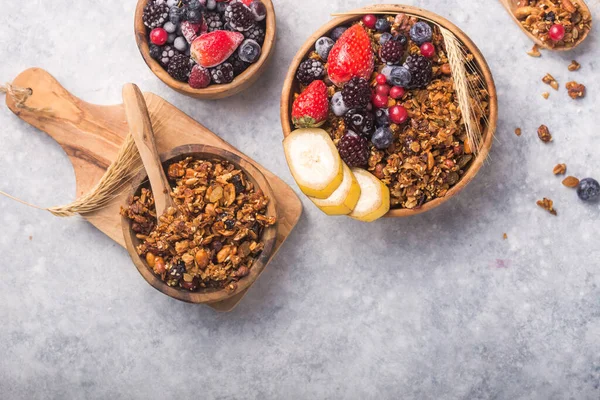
[512, 6]
[140, 128]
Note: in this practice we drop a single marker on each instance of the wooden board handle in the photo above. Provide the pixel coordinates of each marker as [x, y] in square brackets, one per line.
[140, 128]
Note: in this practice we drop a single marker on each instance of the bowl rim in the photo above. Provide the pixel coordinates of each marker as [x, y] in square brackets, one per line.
[240, 83]
[269, 235]
[488, 135]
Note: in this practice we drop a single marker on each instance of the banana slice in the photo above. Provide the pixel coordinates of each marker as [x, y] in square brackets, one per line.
[374, 201]
[314, 162]
[344, 199]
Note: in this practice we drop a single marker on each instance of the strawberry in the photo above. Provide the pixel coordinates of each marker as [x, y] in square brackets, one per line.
[214, 48]
[311, 107]
[351, 56]
[190, 31]
[247, 2]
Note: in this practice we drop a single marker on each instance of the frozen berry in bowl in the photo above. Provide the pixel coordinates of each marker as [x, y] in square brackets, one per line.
[155, 15]
[214, 21]
[256, 33]
[357, 93]
[383, 90]
[380, 101]
[397, 92]
[398, 114]
[557, 32]
[159, 36]
[360, 121]
[239, 16]
[309, 71]
[421, 72]
[259, 10]
[588, 190]
[382, 117]
[370, 21]
[382, 25]
[199, 77]
[338, 106]
[180, 67]
[323, 46]
[249, 51]
[391, 52]
[382, 138]
[397, 76]
[385, 37]
[337, 33]
[354, 149]
[222, 73]
[427, 50]
[421, 32]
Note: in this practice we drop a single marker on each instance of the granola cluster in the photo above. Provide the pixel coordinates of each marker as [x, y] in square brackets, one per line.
[212, 237]
[538, 17]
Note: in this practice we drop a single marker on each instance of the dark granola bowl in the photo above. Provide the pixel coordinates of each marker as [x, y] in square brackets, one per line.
[267, 238]
[292, 88]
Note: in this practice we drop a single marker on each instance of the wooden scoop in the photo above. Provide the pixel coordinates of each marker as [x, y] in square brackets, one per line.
[140, 128]
[513, 5]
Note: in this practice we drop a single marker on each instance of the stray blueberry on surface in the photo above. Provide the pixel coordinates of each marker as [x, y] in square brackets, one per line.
[589, 190]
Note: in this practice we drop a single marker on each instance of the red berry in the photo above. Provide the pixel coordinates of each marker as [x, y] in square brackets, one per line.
[557, 32]
[396, 92]
[381, 79]
[380, 101]
[159, 36]
[383, 90]
[398, 114]
[427, 50]
[369, 21]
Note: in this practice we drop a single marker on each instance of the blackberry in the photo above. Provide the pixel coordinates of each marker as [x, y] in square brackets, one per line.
[421, 71]
[391, 52]
[256, 33]
[213, 21]
[239, 16]
[360, 121]
[357, 93]
[180, 67]
[354, 150]
[238, 65]
[310, 70]
[222, 73]
[155, 51]
[155, 15]
[168, 52]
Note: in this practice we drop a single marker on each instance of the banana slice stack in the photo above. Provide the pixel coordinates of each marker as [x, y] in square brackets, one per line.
[335, 188]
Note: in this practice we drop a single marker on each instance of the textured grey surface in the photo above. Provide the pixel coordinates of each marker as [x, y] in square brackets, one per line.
[417, 308]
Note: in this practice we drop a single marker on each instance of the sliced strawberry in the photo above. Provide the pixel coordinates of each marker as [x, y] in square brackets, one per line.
[311, 107]
[351, 56]
[214, 48]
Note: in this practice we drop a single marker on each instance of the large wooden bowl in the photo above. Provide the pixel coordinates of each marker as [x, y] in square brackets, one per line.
[291, 87]
[268, 237]
[240, 83]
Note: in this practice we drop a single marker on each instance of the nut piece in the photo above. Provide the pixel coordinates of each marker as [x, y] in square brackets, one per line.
[549, 80]
[505, 236]
[544, 134]
[576, 90]
[570, 182]
[560, 169]
[446, 70]
[574, 66]
[546, 95]
[518, 131]
[567, 5]
[202, 258]
[547, 205]
[535, 51]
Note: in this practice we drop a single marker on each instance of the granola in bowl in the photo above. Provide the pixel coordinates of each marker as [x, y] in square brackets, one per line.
[213, 237]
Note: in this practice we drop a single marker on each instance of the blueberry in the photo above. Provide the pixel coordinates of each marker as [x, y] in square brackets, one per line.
[194, 16]
[382, 138]
[175, 15]
[382, 117]
[338, 32]
[401, 39]
[382, 25]
[588, 190]
[172, 3]
[337, 104]
[421, 32]
[180, 43]
[194, 5]
[323, 47]
[258, 9]
[249, 51]
[221, 7]
[171, 38]
[211, 4]
[385, 37]
[397, 76]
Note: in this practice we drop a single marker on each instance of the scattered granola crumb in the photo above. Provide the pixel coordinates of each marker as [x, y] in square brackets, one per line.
[518, 131]
[544, 134]
[535, 51]
[574, 66]
[549, 80]
[546, 95]
[547, 205]
[560, 169]
[30, 237]
[576, 90]
[505, 236]
[570, 182]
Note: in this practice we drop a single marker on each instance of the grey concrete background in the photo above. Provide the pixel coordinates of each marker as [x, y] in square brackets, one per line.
[418, 308]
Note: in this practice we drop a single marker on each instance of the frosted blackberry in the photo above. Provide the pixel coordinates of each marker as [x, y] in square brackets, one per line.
[421, 71]
[360, 121]
[155, 15]
[213, 21]
[310, 70]
[256, 33]
[180, 67]
[155, 51]
[391, 52]
[168, 52]
[239, 16]
[222, 73]
[354, 150]
[238, 65]
[357, 93]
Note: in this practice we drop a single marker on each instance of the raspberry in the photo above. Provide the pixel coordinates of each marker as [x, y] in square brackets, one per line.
[180, 67]
[309, 71]
[199, 77]
[357, 93]
[354, 149]
[421, 71]
[239, 16]
[222, 73]
[155, 15]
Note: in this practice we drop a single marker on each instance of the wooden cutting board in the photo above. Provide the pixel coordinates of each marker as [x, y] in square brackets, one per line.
[92, 135]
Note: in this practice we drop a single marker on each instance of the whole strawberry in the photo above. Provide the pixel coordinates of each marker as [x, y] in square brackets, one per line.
[352, 56]
[214, 48]
[311, 107]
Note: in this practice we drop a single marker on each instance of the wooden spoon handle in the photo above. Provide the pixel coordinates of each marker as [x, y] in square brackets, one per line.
[140, 127]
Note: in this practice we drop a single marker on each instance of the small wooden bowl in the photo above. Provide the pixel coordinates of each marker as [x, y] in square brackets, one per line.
[291, 87]
[269, 235]
[240, 83]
